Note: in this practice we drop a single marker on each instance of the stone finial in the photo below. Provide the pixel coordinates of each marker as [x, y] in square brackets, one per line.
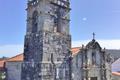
[93, 36]
[82, 46]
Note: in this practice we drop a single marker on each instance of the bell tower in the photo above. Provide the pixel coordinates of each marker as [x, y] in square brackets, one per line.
[48, 15]
[47, 41]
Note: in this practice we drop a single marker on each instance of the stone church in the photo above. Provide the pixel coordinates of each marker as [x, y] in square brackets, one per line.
[47, 49]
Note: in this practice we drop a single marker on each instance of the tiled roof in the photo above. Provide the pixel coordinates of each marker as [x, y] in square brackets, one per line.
[116, 73]
[16, 58]
[75, 50]
[2, 63]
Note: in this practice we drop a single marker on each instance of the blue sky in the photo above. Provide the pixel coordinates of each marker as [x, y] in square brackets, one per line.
[102, 17]
[87, 16]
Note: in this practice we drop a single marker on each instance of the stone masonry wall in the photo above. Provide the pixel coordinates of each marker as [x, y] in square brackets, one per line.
[46, 57]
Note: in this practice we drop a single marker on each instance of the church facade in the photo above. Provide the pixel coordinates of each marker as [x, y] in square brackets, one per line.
[47, 49]
[92, 63]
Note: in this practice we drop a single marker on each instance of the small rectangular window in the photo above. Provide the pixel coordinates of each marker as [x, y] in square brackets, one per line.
[93, 78]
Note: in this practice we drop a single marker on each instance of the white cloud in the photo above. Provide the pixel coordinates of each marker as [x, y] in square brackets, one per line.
[108, 44]
[10, 50]
[84, 19]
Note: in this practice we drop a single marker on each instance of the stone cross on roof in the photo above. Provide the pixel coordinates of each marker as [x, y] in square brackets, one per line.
[93, 36]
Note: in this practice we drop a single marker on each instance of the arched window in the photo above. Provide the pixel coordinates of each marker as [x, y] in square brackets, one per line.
[35, 22]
